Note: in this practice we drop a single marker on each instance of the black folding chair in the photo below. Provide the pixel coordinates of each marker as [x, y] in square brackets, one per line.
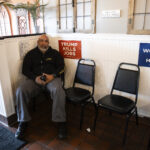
[126, 80]
[85, 75]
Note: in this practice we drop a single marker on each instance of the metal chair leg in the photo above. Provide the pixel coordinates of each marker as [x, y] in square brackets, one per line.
[94, 104]
[148, 147]
[136, 115]
[96, 115]
[67, 111]
[93, 101]
[126, 129]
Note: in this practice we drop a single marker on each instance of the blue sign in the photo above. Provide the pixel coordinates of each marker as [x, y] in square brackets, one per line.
[144, 55]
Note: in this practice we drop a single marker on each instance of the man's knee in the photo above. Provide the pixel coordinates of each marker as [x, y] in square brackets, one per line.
[55, 86]
[24, 88]
[21, 89]
[28, 87]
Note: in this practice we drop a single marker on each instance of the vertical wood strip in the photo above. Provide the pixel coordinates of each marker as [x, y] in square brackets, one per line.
[74, 15]
[66, 15]
[83, 14]
[58, 15]
[130, 15]
[145, 15]
[29, 20]
[93, 16]
[43, 17]
[10, 18]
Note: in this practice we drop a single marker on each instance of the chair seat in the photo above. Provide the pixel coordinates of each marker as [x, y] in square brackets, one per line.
[77, 94]
[117, 103]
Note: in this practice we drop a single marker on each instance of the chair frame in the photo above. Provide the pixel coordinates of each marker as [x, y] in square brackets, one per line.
[132, 111]
[83, 104]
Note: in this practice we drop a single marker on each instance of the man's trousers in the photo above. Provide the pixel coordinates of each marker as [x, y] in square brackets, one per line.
[29, 89]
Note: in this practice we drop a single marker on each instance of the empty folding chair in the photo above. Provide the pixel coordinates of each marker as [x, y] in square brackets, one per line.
[126, 80]
[85, 75]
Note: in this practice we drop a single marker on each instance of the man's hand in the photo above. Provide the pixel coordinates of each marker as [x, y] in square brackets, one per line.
[39, 81]
[49, 77]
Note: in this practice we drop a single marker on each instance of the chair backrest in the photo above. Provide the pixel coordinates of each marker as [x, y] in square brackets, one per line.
[127, 80]
[85, 73]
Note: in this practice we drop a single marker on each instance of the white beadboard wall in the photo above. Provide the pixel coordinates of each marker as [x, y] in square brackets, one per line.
[6, 99]
[108, 50]
[10, 71]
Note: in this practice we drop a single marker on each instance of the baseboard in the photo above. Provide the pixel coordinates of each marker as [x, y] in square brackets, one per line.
[8, 121]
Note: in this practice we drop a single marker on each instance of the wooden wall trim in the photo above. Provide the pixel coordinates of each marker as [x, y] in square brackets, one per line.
[130, 27]
[23, 35]
[10, 18]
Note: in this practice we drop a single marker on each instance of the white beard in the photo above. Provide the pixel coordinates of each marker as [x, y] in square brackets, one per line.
[43, 50]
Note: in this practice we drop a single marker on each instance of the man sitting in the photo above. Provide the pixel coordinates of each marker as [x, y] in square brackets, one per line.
[42, 66]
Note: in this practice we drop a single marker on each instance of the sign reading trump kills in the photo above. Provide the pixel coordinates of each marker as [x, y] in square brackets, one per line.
[144, 55]
[70, 49]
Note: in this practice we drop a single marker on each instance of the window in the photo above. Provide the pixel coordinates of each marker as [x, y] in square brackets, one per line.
[22, 21]
[76, 16]
[139, 17]
[19, 20]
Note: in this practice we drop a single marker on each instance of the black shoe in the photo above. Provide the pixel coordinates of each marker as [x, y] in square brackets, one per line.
[21, 130]
[62, 130]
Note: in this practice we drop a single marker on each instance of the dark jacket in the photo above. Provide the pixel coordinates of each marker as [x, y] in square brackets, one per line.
[35, 63]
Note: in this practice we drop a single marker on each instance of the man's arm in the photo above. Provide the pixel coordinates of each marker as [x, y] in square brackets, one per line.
[27, 67]
[59, 65]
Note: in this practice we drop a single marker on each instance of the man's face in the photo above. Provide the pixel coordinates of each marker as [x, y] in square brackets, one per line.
[43, 43]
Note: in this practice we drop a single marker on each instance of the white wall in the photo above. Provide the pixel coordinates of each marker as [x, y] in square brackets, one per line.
[6, 97]
[112, 25]
[10, 71]
[14, 60]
